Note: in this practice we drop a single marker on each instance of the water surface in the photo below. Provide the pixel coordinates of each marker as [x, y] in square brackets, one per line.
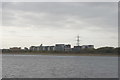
[44, 66]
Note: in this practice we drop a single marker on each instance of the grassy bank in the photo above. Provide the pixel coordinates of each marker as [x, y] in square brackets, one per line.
[66, 54]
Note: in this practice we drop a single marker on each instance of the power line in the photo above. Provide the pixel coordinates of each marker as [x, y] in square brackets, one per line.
[78, 40]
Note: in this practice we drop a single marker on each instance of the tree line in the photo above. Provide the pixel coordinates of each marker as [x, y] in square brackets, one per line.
[101, 50]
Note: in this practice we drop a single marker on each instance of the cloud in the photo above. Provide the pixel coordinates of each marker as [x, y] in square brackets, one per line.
[58, 13]
[87, 18]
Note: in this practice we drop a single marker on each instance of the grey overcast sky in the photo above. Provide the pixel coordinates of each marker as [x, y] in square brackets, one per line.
[48, 23]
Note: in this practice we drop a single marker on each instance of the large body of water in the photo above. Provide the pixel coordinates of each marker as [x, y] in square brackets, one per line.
[40, 66]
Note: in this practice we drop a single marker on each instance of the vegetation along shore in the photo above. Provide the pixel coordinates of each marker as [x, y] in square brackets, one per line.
[103, 51]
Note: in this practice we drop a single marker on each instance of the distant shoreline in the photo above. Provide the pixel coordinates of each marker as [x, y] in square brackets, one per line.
[65, 54]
